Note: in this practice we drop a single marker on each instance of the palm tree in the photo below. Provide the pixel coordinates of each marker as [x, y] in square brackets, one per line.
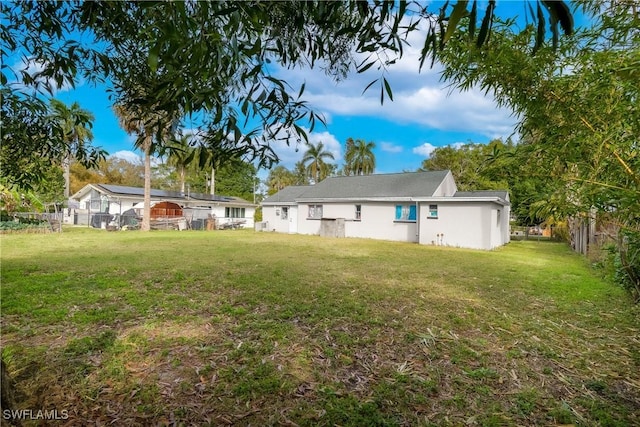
[146, 125]
[181, 154]
[279, 178]
[313, 159]
[205, 158]
[300, 173]
[76, 123]
[359, 157]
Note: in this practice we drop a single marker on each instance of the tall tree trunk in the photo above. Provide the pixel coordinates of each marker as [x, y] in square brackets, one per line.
[66, 165]
[146, 212]
[182, 175]
[213, 181]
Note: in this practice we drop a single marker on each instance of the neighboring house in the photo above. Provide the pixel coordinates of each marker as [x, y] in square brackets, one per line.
[420, 207]
[94, 199]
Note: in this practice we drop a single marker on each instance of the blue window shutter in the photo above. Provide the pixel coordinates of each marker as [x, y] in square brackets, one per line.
[398, 212]
[412, 212]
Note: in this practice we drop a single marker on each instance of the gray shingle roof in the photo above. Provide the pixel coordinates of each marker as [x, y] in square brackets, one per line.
[408, 184]
[287, 195]
[163, 194]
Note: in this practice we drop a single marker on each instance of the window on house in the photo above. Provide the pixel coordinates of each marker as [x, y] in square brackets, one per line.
[433, 212]
[234, 212]
[285, 213]
[358, 212]
[315, 212]
[405, 212]
[498, 220]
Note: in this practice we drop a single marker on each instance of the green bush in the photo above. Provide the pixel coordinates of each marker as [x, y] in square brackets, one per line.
[622, 264]
[5, 217]
[21, 225]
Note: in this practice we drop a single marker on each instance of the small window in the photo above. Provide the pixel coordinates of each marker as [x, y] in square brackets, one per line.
[406, 213]
[498, 219]
[285, 213]
[433, 212]
[358, 212]
[315, 212]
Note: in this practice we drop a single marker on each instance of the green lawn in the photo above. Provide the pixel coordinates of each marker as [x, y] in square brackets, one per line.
[244, 328]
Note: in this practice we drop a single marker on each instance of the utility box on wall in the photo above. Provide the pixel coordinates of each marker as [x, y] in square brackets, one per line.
[332, 227]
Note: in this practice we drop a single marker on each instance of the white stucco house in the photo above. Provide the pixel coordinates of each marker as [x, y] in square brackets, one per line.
[420, 207]
[94, 199]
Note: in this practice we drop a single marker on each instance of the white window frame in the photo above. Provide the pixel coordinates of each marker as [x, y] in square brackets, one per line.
[403, 213]
[315, 212]
[231, 212]
[432, 212]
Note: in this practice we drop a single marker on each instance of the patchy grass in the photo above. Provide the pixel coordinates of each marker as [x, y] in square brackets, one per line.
[242, 328]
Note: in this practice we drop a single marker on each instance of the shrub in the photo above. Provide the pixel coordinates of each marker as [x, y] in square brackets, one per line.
[623, 263]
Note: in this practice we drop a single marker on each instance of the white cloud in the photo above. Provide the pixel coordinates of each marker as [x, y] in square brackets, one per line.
[424, 150]
[129, 156]
[135, 158]
[390, 147]
[469, 111]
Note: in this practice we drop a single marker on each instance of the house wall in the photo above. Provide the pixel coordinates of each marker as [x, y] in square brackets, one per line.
[306, 225]
[273, 216]
[377, 221]
[475, 225]
[246, 222]
[472, 225]
[269, 216]
[458, 224]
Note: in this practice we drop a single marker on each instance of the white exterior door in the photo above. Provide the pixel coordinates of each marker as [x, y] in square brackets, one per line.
[293, 219]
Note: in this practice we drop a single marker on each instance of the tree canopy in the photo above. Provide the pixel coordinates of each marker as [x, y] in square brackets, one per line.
[314, 159]
[208, 59]
[359, 157]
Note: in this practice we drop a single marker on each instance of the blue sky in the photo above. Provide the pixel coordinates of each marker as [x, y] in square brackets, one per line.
[424, 114]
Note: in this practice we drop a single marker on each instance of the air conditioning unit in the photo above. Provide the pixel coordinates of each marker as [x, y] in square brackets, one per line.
[262, 226]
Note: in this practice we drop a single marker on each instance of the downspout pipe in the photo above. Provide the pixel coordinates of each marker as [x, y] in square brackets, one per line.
[417, 222]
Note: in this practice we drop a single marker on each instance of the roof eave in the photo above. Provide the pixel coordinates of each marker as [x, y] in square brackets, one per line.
[497, 200]
[356, 199]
